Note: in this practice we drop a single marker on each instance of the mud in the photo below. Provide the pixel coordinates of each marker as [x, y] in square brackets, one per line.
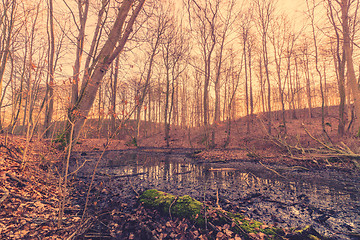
[327, 199]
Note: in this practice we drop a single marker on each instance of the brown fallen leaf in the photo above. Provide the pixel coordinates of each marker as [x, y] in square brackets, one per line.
[228, 232]
[261, 235]
[226, 226]
[253, 235]
[237, 237]
[220, 235]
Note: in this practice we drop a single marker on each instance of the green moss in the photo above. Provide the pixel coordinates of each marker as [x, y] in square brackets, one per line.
[132, 142]
[312, 237]
[306, 233]
[183, 207]
[301, 231]
[62, 139]
[187, 207]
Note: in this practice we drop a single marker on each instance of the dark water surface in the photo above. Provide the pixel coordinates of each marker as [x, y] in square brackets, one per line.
[327, 199]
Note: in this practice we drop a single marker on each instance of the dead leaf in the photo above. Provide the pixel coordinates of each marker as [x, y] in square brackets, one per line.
[220, 235]
[261, 235]
[237, 237]
[226, 226]
[228, 232]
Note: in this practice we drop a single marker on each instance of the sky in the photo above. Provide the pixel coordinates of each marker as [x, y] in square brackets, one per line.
[292, 5]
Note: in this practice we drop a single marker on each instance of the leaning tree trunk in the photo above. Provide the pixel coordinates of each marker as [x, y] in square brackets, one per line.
[111, 49]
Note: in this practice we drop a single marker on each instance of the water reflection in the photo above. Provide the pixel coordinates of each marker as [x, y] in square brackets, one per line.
[171, 171]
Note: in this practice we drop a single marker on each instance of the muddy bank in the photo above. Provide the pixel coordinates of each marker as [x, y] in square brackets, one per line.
[284, 196]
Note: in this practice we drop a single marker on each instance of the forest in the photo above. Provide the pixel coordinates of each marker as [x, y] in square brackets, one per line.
[180, 119]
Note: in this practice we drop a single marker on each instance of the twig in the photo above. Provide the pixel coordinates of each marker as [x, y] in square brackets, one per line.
[93, 178]
[180, 173]
[10, 152]
[81, 229]
[271, 170]
[205, 216]
[174, 201]
[29, 199]
[62, 202]
[317, 140]
[132, 187]
[217, 198]
[127, 175]
[15, 179]
[347, 148]
[6, 194]
[81, 166]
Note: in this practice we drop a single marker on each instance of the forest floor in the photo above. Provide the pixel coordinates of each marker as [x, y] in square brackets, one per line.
[30, 192]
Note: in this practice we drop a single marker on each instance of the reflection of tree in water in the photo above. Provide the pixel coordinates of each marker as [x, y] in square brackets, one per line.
[299, 201]
[168, 172]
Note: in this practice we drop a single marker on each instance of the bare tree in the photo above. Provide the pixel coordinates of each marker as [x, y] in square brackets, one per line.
[161, 24]
[205, 18]
[117, 38]
[223, 31]
[339, 61]
[174, 51]
[114, 86]
[283, 43]
[345, 6]
[7, 27]
[265, 10]
[83, 10]
[51, 73]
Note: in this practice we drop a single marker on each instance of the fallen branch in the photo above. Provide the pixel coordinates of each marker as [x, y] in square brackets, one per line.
[318, 140]
[324, 152]
[29, 199]
[222, 169]
[121, 176]
[174, 201]
[83, 227]
[16, 179]
[6, 194]
[133, 188]
[271, 170]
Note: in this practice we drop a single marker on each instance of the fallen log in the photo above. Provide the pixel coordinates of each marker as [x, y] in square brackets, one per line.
[187, 207]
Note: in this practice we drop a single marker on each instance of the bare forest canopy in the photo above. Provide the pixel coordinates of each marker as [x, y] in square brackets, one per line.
[187, 63]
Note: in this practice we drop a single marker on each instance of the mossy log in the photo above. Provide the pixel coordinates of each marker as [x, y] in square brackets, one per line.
[187, 207]
[183, 207]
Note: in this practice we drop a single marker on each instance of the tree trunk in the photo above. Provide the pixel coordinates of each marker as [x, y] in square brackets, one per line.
[113, 96]
[83, 12]
[111, 49]
[50, 85]
[350, 65]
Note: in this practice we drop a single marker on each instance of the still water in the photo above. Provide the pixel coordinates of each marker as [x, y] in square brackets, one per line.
[331, 205]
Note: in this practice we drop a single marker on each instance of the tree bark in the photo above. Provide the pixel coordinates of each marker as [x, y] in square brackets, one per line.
[111, 49]
[113, 96]
[50, 84]
[345, 5]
